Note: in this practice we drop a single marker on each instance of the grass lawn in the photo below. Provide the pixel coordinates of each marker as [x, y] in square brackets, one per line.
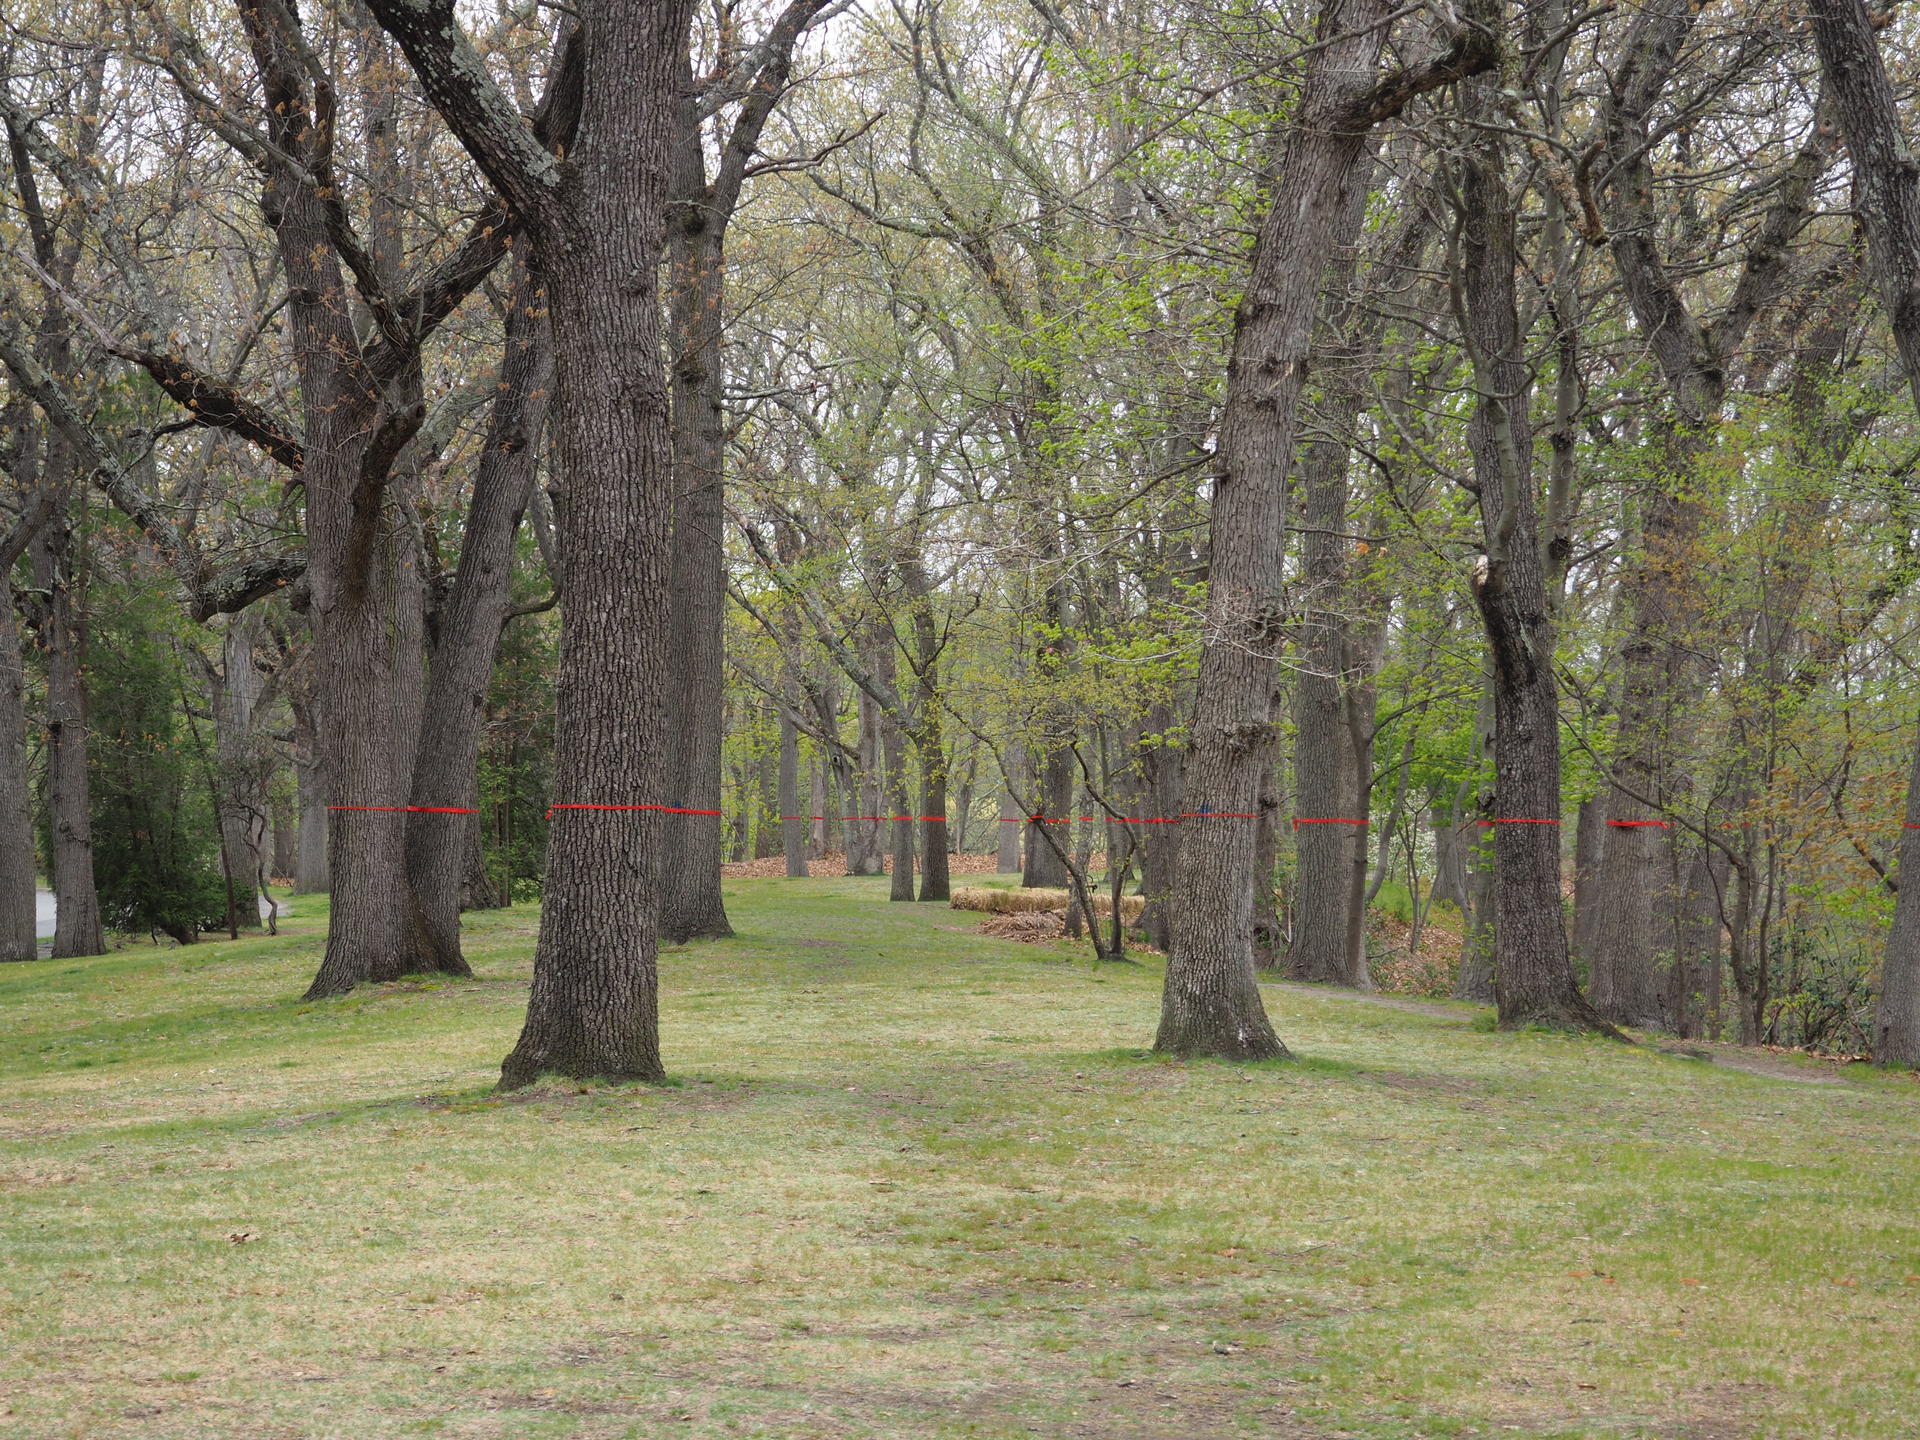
[911, 1181]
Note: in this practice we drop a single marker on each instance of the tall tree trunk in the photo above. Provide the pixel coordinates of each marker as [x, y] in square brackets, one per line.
[864, 849]
[286, 839]
[1210, 1004]
[441, 842]
[893, 752]
[1532, 973]
[1660, 666]
[310, 877]
[1045, 869]
[692, 906]
[1358, 708]
[18, 927]
[1589, 839]
[369, 655]
[243, 792]
[1162, 799]
[1007, 859]
[62, 638]
[1324, 841]
[929, 741]
[793, 825]
[1267, 938]
[768, 839]
[1887, 200]
[593, 1010]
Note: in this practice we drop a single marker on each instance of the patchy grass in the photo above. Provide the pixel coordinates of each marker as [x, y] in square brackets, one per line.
[912, 1181]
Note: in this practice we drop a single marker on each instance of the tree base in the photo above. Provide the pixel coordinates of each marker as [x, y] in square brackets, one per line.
[1572, 1018]
[517, 1072]
[713, 927]
[1217, 1034]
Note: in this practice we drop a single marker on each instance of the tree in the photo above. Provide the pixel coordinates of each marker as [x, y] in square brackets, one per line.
[1887, 194]
[1211, 1005]
[597, 220]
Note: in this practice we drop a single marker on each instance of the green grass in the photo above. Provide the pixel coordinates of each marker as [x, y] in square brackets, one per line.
[911, 1181]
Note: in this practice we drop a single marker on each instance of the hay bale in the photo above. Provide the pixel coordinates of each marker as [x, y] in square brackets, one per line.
[1007, 902]
[1028, 902]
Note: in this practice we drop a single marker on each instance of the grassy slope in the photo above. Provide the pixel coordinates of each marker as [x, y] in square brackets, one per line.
[913, 1182]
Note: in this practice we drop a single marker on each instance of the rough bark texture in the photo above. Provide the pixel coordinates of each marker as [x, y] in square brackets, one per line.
[1532, 974]
[1007, 841]
[61, 637]
[1045, 867]
[17, 861]
[598, 221]
[1365, 653]
[864, 829]
[1887, 199]
[310, 876]
[441, 844]
[1660, 659]
[362, 394]
[893, 752]
[1161, 795]
[1211, 1003]
[929, 739]
[1267, 938]
[242, 762]
[692, 906]
[793, 825]
[1590, 835]
[1323, 758]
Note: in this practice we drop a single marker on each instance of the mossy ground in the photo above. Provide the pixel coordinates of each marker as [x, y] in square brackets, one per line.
[911, 1181]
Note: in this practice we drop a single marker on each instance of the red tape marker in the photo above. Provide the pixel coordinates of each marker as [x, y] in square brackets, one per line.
[667, 809]
[1300, 820]
[410, 809]
[1635, 824]
[1516, 822]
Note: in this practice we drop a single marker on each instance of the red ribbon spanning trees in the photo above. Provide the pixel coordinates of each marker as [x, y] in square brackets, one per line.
[410, 809]
[1298, 820]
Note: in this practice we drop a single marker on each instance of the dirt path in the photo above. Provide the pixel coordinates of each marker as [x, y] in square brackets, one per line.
[1392, 1002]
[1728, 1057]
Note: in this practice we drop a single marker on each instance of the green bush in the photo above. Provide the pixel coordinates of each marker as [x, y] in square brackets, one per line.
[156, 849]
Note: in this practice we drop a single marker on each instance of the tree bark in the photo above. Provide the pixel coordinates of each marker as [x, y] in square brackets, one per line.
[238, 753]
[1045, 868]
[692, 905]
[598, 221]
[1533, 976]
[865, 828]
[1887, 200]
[440, 841]
[62, 639]
[1323, 753]
[310, 878]
[1660, 669]
[1210, 1004]
[1007, 842]
[893, 753]
[793, 825]
[18, 927]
